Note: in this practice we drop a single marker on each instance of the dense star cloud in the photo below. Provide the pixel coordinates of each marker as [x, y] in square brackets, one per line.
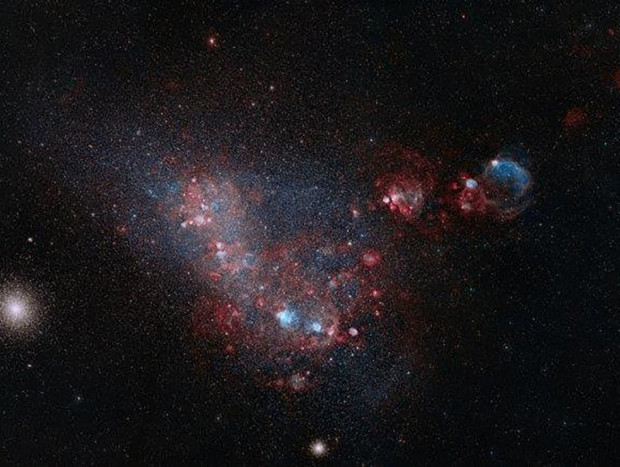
[307, 232]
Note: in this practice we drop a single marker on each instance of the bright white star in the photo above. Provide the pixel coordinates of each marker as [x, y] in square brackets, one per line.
[18, 308]
[15, 309]
[318, 448]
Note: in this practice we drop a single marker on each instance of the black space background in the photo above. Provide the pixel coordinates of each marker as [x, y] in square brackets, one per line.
[525, 369]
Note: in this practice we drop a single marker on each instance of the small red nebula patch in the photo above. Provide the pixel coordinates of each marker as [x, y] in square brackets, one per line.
[371, 258]
[211, 42]
[575, 117]
[406, 179]
[211, 39]
[469, 199]
[617, 78]
[121, 230]
[172, 86]
[402, 193]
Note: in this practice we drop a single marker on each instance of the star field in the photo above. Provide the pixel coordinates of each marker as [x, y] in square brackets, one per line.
[289, 233]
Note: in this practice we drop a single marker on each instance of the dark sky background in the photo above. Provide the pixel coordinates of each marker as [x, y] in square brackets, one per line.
[506, 354]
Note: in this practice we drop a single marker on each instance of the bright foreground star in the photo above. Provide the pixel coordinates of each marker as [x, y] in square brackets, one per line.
[16, 308]
[318, 448]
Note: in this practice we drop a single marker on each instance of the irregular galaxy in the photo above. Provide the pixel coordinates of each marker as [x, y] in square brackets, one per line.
[278, 294]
